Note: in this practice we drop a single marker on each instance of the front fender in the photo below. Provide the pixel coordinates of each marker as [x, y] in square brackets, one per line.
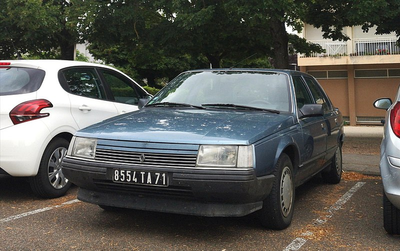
[269, 150]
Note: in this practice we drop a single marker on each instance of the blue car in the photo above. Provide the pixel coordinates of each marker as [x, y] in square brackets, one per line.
[217, 142]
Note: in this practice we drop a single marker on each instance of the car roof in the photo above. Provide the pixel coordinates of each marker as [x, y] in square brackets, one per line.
[285, 71]
[49, 63]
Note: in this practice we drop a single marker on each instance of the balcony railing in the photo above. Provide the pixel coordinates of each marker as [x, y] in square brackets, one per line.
[360, 47]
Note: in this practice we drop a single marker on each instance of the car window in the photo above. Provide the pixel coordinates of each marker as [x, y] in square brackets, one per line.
[121, 87]
[14, 80]
[302, 94]
[319, 95]
[84, 82]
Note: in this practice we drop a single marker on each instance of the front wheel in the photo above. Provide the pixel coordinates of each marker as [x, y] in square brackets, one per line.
[50, 181]
[278, 207]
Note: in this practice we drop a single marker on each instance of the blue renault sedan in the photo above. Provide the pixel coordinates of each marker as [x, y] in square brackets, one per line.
[217, 142]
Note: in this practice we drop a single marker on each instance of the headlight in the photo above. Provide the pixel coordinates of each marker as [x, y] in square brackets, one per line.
[83, 147]
[225, 156]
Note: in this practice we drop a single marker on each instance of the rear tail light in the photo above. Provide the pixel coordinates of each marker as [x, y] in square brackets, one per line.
[4, 64]
[395, 119]
[29, 110]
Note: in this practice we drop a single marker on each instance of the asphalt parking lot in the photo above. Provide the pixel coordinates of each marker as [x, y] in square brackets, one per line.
[347, 216]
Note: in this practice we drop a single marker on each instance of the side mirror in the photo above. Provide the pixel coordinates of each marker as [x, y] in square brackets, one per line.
[383, 103]
[143, 102]
[311, 110]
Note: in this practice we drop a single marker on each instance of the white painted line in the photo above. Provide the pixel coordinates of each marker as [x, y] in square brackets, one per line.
[299, 242]
[19, 216]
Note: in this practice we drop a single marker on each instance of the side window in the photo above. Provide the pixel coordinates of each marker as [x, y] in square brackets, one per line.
[84, 82]
[302, 95]
[121, 88]
[318, 94]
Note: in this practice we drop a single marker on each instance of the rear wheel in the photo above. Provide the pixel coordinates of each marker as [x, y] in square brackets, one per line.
[391, 216]
[50, 181]
[334, 174]
[277, 211]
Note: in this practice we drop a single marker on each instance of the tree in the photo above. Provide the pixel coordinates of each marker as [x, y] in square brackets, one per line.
[46, 27]
[125, 34]
[333, 16]
[234, 29]
[217, 30]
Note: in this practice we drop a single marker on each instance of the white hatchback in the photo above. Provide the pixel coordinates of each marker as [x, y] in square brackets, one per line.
[43, 103]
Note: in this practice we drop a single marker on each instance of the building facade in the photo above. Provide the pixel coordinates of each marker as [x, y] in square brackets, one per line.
[355, 72]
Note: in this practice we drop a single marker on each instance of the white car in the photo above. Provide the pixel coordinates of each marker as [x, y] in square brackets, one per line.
[390, 163]
[43, 103]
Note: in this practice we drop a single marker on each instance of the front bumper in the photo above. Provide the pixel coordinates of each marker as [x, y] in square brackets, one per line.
[203, 192]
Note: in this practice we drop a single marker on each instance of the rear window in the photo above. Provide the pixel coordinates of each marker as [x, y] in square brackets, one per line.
[14, 80]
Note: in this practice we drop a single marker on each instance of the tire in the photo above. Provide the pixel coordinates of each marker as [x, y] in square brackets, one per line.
[334, 173]
[110, 208]
[391, 217]
[50, 181]
[278, 207]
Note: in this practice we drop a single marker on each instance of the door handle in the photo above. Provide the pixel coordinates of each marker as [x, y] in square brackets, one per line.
[85, 108]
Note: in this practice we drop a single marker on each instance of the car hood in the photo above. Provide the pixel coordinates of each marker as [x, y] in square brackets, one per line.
[194, 126]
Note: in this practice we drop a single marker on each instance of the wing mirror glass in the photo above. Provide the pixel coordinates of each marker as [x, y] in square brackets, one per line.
[383, 103]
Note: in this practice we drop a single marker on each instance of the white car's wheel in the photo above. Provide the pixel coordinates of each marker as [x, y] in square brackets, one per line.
[50, 181]
[391, 216]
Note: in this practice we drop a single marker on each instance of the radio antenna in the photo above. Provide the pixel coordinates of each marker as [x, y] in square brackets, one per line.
[244, 60]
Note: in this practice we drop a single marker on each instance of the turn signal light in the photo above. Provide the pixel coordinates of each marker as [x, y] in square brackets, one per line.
[395, 119]
[29, 110]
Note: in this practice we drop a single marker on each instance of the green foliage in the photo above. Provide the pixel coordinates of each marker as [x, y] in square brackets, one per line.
[333, 16]
[151, 90]
[81, 57]
[41, 28]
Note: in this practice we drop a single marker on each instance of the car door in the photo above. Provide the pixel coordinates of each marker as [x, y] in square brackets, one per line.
[89, 103]
[123, 91]
[314, 134]
[331, 120]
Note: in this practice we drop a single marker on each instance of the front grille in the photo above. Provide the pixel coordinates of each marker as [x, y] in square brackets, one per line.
[145, 159]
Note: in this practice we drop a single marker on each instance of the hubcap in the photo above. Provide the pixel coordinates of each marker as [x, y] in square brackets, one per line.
[286, 193]
[56, 176]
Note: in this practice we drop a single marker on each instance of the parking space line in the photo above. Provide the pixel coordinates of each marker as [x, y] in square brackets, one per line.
[297, 243]
[19, 216]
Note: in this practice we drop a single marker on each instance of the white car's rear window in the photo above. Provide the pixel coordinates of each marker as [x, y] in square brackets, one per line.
[14, 80]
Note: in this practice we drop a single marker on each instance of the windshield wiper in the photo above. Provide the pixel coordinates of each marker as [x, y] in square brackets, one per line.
[172, 104]
[243, 107]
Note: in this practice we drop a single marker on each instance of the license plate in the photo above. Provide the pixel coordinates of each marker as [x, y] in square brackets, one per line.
[140, 177]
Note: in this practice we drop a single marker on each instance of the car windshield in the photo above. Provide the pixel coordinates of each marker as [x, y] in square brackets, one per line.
[19, 80]
[227, 90]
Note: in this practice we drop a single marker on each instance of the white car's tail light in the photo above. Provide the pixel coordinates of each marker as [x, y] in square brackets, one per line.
[29, 110]
[395, 119]
[4, 64]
